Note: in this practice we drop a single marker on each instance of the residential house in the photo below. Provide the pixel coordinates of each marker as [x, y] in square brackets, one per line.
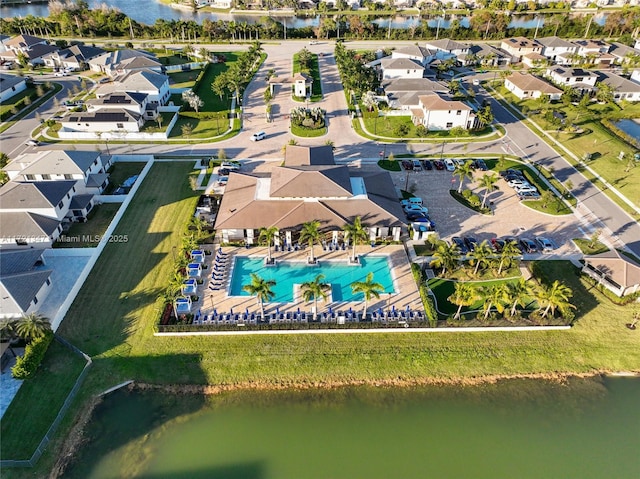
[518, 47]
[76, 57]
[120, 62]
[22, 229]
[115, 120]
[623, 89]
[309, 186]
[485, 54]
[33, 48]
[446, 48]
[557, 49]
[134, 102]
[88, 168]
[595, 52]
[404, 93]
[615, 271]
[438, 113]
[155, 85]
[622, 53]
[11, 85]
[534, 60]
[524, 85]
[3, 40]
[24, 282]
[635, 76]
[400, 68]
[417, 53]
[578, 79]
[47, 198]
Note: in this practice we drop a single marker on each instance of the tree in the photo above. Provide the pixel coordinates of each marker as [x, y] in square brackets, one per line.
[485, 115]
[192, 99]
[488, 182]
[446, 257]
[203, 53]
[355, 232]
[261, 289]
[311, 290]
[222, 155]
[481, 256]
[465, 294]
[311, 232]
[604, 92]
[546, 197]
[268, 235]
[509, 251]
[554, 297]
[462, 171]
[494, 296]
[594, 238]
[519, 293]
[187, 129]
[159, 120]
[369, 288]
[32, 326]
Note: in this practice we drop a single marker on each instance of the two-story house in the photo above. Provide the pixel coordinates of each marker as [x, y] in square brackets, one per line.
[438, 113]
[518, 47]
[558, 50]
[596, 52]
[578, 79]
[120, 62]
[524, 85]
[76, 57]
[400, 68]
[446, 48]
[417, 53]
[11, 85]
[24, 282]
[623, 89]
[47, 198]
[155, 85]
[134, 102]
[404, 93]
[33, 48]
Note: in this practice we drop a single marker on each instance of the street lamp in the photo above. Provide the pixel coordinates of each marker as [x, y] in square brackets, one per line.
[442, 150]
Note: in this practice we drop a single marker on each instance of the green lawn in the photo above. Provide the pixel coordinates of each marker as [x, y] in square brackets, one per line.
[151, 126]
[172, 59]
[122, 170]
[11, 102]
[213, 102]
[201, 128]
[586, 247]
[182, 79]
[314, 72]
[98, 221]
[308, 132]
[116, 328]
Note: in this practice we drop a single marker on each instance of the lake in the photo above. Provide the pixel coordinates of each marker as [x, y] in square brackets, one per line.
[585, 428]
[630, 127]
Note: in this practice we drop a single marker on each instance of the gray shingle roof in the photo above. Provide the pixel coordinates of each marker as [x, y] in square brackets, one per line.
[618, 83]
[58, 162]
[23, 287]
[19, 260]
[447, 44]
[31, 225]
[37, 194]
[9, 81]
[400, 64]
[556, 42]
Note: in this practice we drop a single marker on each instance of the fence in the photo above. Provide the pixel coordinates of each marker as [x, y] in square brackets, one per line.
[60, 416]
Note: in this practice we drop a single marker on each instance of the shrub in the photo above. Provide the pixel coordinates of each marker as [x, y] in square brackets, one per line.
[467, 193]
[421, 131]
[401, 129]
[27, 365]
[474, 200]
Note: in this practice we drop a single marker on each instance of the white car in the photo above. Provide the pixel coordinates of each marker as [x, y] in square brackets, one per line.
[415, 209]
[449, 165]
[517, 183]
[261, 135]
[230, 165]
[526, 189]
[32, 143]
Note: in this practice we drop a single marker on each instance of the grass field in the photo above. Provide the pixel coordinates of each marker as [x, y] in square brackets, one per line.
[11, 102]
[122, 170]
[183, 79]
[314, 72]
[213, 102]
[114, 315]
[98, 221]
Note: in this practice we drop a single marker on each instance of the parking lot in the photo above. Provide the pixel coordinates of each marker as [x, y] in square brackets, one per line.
[510, 217]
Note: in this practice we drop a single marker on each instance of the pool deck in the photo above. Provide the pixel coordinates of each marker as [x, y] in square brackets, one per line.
[407, 293]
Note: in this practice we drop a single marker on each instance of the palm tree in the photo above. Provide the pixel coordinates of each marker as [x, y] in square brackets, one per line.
[32, 326]
[494, 296]
[509, 251]
[446, 257]
[465, 294]
[462, 171]
[481, 255]
[488, 182]
[313, 290]
[356, 232]
[555, 297]
[311, 232]
[268, 235]
[369, 288]
[261, 289]
[520, 293]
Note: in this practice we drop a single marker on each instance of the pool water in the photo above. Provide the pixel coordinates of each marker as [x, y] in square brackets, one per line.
[287, 273]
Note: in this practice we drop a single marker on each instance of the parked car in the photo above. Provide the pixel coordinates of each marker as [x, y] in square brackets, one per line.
[471, 242]
[415, 209]
[439, 164]
[32, 143]
[61, 74]
[459, 242]
[427, 165]
[449, 165]
[407, 165]
[261, 135]
[223, 172]
[230, 165]
[313, 42]
[528, 245]
[417, 217]
[528, 195]
[511, 171]
[497, 244]
[414, 200]
[105, 80]
[513, 239]
[510, 177]
[222, 180]
[475, 82]
[417, 166]
[424, 225]
[458, 162]
[545, 244]
[481, 165]
[518, 182]
[526, 189]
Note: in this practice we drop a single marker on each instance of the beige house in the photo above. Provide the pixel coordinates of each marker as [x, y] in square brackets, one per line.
[518, 47]
[614, 271]
[309, 186]
[524, 85]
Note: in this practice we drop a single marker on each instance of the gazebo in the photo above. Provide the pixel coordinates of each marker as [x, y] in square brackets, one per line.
[183, 305]
[194, 270]
[197, 256]
[190, 286]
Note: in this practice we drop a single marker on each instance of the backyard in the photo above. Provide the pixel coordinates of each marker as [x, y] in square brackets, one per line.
[116, 329]
[88, 235]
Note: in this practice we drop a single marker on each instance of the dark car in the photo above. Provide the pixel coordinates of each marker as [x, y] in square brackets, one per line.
[497, 244]
[513, 239]
[528, 245]
[471, 242]
[416, 216]
[427, 165]
[438, 164]
[223, 172]
[511, 171]
[481, 165]
[459, 242]
[407, 165]
[528, 195]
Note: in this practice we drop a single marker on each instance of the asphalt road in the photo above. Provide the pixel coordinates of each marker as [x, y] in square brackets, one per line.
[519, 139]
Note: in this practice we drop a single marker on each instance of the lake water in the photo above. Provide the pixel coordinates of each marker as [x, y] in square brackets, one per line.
[585, 429]
[147, 11]
[630, 127]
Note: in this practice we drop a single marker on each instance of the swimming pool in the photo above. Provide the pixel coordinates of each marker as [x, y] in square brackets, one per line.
[287, 273]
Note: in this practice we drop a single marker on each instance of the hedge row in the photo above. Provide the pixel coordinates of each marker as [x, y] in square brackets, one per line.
[27, 364]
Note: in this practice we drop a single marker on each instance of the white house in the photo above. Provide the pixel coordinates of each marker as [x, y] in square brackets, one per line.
[24, 282]
[76, 57]
[103, 121]
[88, 168]
[404, 93]
[518, 47]
[596, 52]
[137, 103]
[46, 198]
[581, 80]
[22, 229]
[400, 68]
[623, 89]
[120, 62]
[417, 53]
[557, 49]
[623, 53]
[155, 85]
[11, 85]
[524, 85]
[446, 48]
[437, 113]
[485, 54]
[635, 76]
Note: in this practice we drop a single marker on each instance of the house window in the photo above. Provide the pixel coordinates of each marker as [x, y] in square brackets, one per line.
[119, 125]
[73, 189]
[21, 242]
[449, 124]
[68, 177]
[30, 177]
[77, 213]
[35, 300]
[579, 79]
[95, 162]
[68, 196]
[48, 281]
[459, 112]
[46, 177]
[60, 205]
